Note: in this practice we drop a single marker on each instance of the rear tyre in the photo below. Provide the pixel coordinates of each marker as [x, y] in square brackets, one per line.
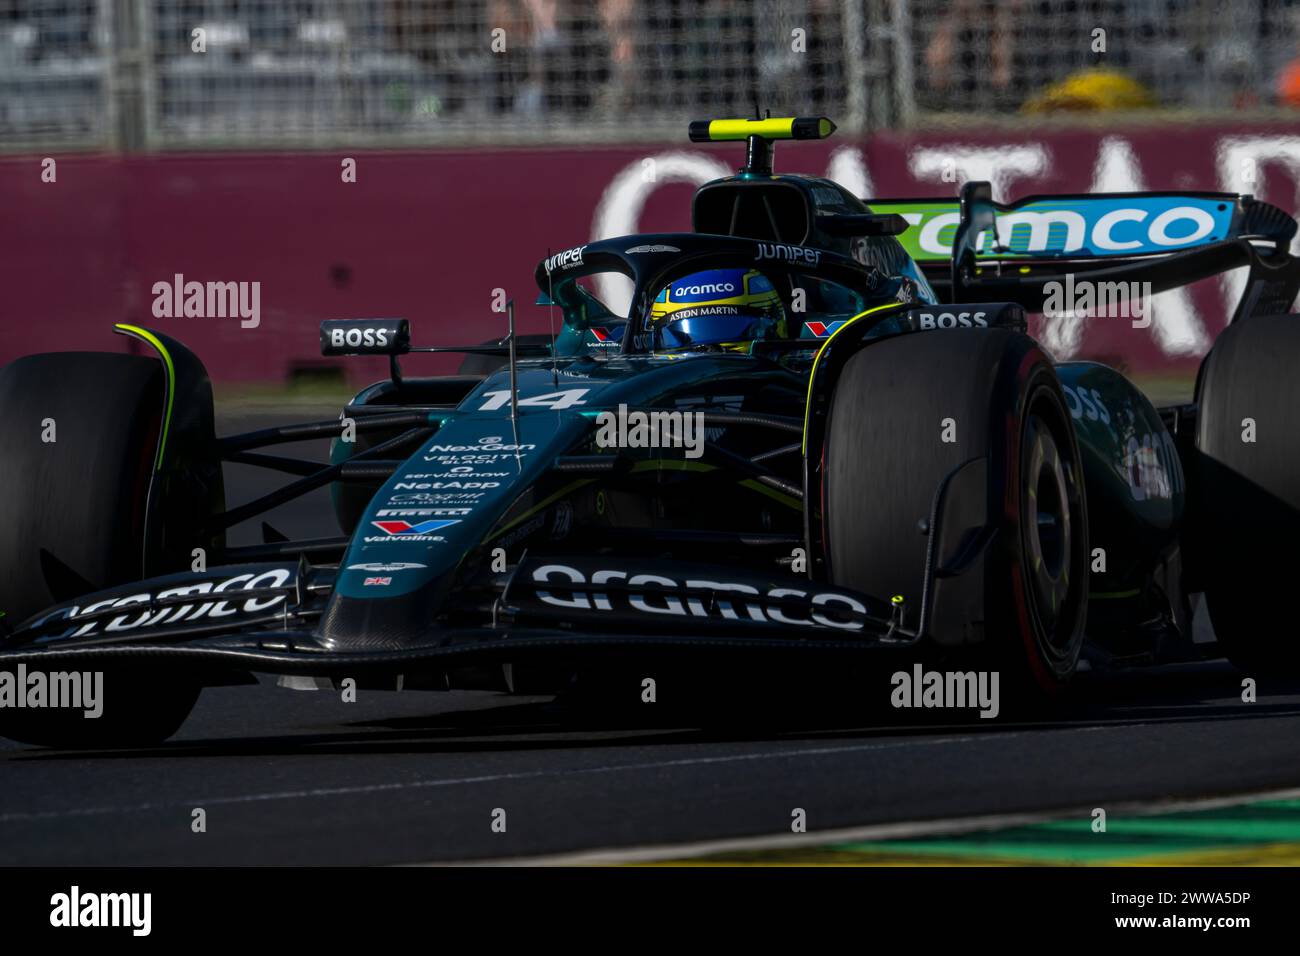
[79, 433]
[885, 456]
[1247, 490]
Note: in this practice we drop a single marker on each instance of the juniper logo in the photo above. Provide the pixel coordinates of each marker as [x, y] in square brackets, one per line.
[949, 690]
[70, 690]
[1107, 300]
[638, 429]
[76, 909]
[208, 300]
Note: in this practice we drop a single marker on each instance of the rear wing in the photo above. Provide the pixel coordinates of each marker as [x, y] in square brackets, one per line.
[976, 250]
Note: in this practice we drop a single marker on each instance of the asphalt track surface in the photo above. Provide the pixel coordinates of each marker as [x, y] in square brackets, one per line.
[299, 777]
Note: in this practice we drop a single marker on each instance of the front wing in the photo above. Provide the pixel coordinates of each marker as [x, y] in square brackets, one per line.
[261, 618]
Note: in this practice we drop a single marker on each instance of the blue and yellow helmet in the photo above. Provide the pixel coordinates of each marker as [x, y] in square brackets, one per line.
[729, 308]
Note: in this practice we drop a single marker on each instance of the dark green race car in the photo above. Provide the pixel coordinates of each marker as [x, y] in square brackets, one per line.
[813, 430]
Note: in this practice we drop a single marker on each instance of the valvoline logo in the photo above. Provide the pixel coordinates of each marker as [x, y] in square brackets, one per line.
[396, 528]
[603, 337]
[822, 330]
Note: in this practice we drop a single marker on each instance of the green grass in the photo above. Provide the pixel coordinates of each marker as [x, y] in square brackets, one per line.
[252, 396]
[1166, 389]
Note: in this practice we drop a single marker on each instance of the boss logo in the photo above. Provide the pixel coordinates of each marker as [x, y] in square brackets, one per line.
[365, 337]
[357, 337]
[952, 320]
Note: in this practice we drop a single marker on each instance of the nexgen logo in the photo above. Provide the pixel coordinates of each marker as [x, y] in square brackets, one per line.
[405, 527]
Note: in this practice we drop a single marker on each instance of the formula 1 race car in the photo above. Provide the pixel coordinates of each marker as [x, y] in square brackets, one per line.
[818, 432]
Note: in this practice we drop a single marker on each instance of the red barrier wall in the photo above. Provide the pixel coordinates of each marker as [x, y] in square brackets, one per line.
[430, 235]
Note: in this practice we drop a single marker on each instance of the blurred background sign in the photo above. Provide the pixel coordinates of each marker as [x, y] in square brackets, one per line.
[205, 137]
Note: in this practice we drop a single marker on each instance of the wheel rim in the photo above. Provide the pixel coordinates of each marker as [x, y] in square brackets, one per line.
[1049, 510]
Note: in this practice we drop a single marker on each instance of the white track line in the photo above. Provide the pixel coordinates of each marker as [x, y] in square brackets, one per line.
[491, 778]
[882, 831]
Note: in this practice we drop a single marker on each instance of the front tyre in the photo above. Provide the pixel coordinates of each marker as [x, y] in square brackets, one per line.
[79, 434]
[908, 410]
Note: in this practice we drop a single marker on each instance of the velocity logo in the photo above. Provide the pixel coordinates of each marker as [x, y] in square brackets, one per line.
[403, 528]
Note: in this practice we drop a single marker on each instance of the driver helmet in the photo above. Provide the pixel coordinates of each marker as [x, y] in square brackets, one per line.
[722, 308]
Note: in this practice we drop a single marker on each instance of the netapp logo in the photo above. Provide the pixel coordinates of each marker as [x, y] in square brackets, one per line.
[728, 601]
[952, 320]
[440, 485]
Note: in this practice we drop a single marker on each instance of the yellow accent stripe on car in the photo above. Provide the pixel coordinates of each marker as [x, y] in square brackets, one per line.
[571, 487]
[722, 130]
[780, 497]
[675, 464]
[812, 373]
[153, 340]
